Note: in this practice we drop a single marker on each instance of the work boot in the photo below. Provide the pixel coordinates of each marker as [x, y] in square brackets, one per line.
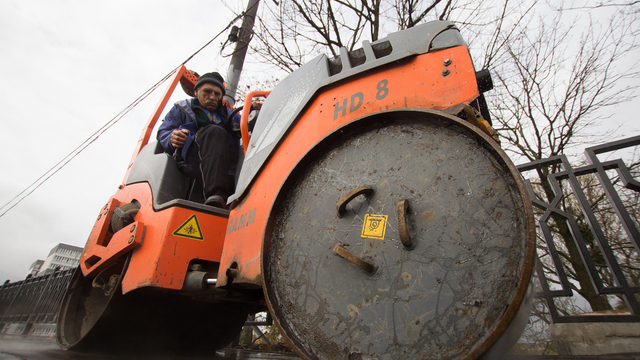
[216, 201]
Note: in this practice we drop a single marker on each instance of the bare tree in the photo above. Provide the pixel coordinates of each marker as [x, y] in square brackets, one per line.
[291, 32]
[553, 88]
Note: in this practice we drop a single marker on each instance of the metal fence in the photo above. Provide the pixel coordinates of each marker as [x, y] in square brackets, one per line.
[30, 307]
[588, 238]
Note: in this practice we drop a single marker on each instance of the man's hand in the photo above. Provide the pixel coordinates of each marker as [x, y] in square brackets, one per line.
[178, 137]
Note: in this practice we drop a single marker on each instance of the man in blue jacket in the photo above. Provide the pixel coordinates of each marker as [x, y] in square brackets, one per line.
[208, 141]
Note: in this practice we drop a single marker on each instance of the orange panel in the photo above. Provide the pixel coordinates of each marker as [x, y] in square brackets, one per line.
[96, 257]
[417, 82]
[93, 258]
[168, 241]
[169, 246]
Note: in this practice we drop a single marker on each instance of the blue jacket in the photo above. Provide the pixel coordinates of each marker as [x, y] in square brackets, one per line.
[182, 116]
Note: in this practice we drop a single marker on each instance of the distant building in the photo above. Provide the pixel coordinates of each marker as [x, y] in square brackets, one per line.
[62, 256]
[35, 267]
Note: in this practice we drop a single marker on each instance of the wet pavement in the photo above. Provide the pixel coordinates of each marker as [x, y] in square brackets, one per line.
[41, 349]
[20, 348]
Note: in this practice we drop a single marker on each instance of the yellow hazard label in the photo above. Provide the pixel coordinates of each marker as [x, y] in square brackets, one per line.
[374, 226]
[190, 229]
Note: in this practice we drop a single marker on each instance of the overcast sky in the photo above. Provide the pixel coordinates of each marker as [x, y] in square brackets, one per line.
[67, 68]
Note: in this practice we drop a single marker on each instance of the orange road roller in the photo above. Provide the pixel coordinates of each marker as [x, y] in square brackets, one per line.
[375, 217]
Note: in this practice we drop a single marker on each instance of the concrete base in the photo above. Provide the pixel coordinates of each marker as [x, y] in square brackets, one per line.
[14, 328]
[596, 338]
[44, 330]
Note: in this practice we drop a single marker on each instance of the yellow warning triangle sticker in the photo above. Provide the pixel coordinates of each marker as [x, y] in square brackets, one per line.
[190, 229]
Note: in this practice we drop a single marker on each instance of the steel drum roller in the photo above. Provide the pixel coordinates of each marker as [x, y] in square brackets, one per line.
[99, 318]
[406, 236]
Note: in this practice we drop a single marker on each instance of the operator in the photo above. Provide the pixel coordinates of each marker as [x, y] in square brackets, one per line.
[200, 132]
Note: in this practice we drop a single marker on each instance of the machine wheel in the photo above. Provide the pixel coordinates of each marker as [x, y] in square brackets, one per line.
[96, 317]
[405, 236]
[124, 216]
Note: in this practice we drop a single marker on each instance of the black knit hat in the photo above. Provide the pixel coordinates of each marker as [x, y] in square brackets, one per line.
[212, 78]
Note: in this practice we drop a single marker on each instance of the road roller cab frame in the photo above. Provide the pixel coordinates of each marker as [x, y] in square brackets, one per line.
[319, 237]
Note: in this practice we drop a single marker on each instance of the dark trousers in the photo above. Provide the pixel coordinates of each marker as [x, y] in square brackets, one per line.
[212, 160]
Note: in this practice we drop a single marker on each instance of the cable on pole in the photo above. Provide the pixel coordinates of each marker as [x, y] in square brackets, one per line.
[93, 137]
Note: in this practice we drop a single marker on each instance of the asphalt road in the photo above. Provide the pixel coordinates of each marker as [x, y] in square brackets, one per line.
[14, 348]
[33, 349]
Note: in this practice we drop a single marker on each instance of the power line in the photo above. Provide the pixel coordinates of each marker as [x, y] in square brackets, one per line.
[93, 137]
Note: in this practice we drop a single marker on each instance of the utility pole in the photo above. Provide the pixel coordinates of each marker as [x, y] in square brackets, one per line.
[237, 60]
